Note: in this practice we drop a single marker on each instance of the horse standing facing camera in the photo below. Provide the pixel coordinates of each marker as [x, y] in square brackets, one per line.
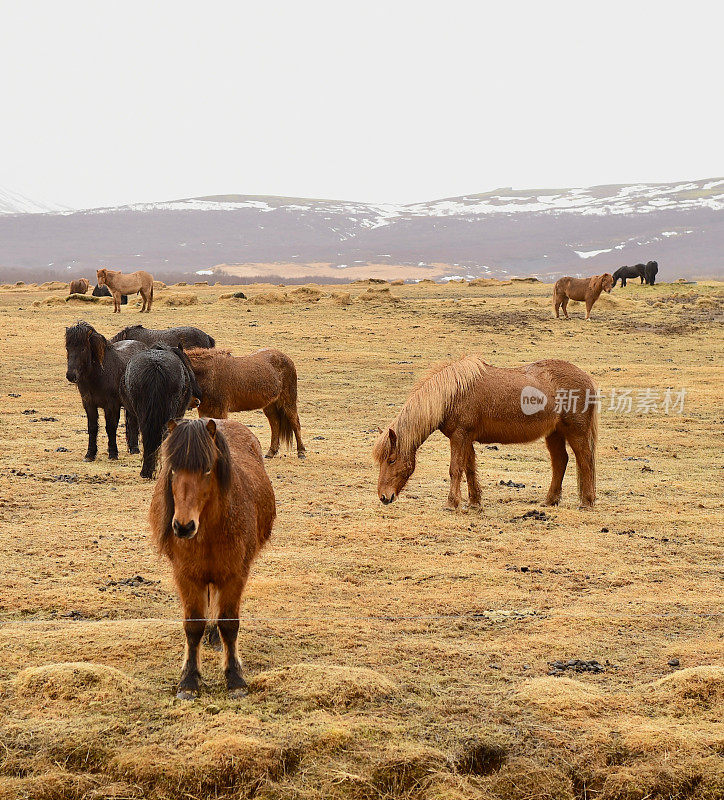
[212, 511]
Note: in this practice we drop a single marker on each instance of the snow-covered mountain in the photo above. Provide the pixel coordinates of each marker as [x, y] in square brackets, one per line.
[15, 203]
[543, 232]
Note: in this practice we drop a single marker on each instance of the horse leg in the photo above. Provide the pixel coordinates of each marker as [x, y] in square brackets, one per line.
[564, 306]
[271, 413]
[585, 468]
[589, 306]
[458, 461]
[132, 432]
[557, 306]
[297, 428]
[112, 415]
[623, 283]
[556, 444]
[91, 413]
[194, 600]
[229, 601]
[471, 476]
[116, 302]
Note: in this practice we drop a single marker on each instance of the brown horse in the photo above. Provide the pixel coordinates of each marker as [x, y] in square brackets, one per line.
[120, 283]
[211, 513]
[582, 289]
[79, 286]
[471, 401]
[266, 379]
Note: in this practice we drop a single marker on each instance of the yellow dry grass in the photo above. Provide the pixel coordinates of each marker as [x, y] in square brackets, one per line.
[392, 651]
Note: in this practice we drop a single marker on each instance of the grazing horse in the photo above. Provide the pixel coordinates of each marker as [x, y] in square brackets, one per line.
[139, 282]
[173, 337]
[212, 511]
[104, 291]
[96, 367]
[583, 289]
[625, 273]
[159, 385]
[650, 271]
[79, 286]
[471, 401]
[266, 379]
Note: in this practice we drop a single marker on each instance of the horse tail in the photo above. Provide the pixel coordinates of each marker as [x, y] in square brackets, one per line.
[287, 403]
[154, 390]
[592, 445]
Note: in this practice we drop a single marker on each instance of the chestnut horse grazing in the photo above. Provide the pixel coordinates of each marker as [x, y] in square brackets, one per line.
[121, 283]
[583, 289]
[79, 286]
[471, 401]
[211, 513]
[266, 379]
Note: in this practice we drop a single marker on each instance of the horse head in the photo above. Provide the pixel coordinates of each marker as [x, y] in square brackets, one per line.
[198, 462]
[84, 347]
[396, 466]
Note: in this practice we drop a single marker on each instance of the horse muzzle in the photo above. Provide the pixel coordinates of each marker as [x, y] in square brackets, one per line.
[71, 376]
[385, 500]
[185, 530]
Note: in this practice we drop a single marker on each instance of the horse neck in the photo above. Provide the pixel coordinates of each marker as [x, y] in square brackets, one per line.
[413, 427]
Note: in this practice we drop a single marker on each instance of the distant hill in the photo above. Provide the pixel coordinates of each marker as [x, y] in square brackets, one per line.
[541, 232]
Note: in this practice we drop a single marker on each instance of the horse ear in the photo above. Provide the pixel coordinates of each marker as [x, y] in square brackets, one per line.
[211, 428]
[393, 438]
[171, 425]
[98, 347]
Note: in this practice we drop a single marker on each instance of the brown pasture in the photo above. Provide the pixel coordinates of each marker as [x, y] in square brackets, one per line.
[391, 651]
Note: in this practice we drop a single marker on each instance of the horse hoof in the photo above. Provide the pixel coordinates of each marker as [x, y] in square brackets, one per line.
[239, 693]
[270, 454]
[89, 458]
[113, 456]
[135, 451]
[301, 454]
[186, 694]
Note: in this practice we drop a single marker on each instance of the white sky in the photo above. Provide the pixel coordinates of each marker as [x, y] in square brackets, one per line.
[112, 102]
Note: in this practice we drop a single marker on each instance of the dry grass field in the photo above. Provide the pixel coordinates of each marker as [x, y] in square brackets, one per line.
[392, 651]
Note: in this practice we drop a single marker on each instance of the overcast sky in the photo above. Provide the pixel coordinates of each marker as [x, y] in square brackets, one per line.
[112, 102]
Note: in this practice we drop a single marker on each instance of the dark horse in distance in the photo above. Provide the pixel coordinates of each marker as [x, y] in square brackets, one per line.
[158, 385]
[96, 367]
[628, 273]
[185, 336]
[212, 512]
[104, 291]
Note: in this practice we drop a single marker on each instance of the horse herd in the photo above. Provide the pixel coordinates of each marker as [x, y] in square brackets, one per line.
[213, 505]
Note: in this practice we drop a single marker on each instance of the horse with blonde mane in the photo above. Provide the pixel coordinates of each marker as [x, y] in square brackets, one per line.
[120, 283]
[266, 379]
[212, 512]
[471, 401]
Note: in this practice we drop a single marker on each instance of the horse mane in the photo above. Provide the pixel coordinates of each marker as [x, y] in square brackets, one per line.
[191, 447]
[83, 334]
[428, 404]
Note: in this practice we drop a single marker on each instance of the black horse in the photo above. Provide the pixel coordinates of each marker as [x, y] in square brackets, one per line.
[650, 271]
[185, 336]
[624, 273]
[96, 367]
[104, 291]
[159, 385]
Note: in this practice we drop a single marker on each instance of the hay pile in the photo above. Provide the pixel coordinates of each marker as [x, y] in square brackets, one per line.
[529, 279]
[53, 285]
[307, 294]
[382, 296]
[232, 296]
[271, 298]
[54, 300]
[488, 282]
[201, 283]
[178, 300]
[159, 285]
[368, 281]
[398, 282]
[74, 681]
[324, 685]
